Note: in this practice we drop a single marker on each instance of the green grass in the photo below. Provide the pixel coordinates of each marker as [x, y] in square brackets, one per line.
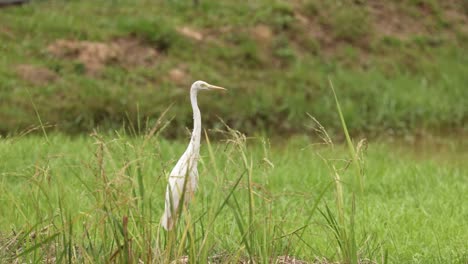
[388, 83]
[98, 197]
[94, 198]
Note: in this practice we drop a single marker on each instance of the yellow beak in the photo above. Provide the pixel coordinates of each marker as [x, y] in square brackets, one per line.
[214, 87]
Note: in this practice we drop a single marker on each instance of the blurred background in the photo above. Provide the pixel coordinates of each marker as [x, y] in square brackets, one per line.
[399, 67]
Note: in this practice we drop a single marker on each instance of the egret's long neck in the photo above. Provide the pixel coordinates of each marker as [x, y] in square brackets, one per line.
[196, 133]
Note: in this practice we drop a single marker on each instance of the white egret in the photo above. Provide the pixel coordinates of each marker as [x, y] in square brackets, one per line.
[184, 177]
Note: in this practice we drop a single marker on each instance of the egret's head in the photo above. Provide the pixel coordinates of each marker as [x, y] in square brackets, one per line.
[201, 85]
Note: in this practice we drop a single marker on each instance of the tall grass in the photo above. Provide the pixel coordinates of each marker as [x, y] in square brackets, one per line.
[116, 216]
[98, 199]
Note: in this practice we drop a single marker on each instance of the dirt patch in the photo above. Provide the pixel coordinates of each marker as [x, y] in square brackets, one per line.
[132, 53]
[126, 52]
[262, 33]
[456, 14]
[386, 19]
[289, 260]
[263, 36]
[6, 32]
[314, 28]
[190, 33]
[36, 75]
[179, 75]
[389, 21]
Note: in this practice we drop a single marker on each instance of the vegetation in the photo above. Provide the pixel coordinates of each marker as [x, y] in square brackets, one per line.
[400, 66]
[95, 199]
[120, 71]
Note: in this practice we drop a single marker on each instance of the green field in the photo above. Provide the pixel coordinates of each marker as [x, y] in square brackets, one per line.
[399, 67]
[94, 113]
[66, 199]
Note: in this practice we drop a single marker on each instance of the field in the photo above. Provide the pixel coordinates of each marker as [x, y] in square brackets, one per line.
[135, 58]
[94, 114]
[94, 199]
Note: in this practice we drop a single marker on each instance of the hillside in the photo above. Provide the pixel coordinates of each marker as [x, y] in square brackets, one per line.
[398, 66]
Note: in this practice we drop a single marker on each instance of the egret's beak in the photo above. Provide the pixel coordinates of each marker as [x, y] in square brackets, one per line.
[214, 87]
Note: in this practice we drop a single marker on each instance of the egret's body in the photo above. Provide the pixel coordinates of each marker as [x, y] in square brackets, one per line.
[183, 178]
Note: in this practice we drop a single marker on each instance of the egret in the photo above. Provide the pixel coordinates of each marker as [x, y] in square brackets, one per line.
[184, 177]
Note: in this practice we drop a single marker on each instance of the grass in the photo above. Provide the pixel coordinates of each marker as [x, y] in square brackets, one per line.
[390, 83]
[100, 198]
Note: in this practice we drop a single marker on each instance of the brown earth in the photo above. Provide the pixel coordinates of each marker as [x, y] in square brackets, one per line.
[179, 75]
[126, 52]
[7, 32]
[385, 18]
[263, 34]
[388, 19]
[36, 75]
[190, 33]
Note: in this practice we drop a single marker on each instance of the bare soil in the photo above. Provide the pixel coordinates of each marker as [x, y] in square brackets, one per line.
[262, 34]
[190, 33]
[36, 75]
[179, 75]
[126, 52]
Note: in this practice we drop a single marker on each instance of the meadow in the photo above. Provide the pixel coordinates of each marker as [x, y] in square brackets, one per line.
[135, 58]
[95, 199]
[94, 113]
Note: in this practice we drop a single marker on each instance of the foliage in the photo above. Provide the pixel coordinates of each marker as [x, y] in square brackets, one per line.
[389, 83]
[100, 198]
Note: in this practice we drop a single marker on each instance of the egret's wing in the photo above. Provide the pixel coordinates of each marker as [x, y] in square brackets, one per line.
[174, 192]
[184, 169]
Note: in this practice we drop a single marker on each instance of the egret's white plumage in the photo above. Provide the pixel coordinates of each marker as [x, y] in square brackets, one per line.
[183, 178]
